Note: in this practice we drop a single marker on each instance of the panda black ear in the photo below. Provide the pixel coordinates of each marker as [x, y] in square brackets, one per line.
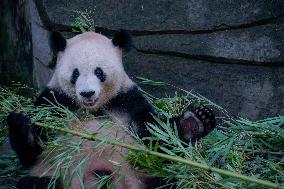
[57, 42]
[123, 40]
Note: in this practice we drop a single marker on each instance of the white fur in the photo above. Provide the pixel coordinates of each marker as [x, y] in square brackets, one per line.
[100, 158]
[86, 52]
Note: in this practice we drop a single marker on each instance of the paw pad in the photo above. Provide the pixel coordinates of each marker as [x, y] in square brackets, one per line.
[197, 123]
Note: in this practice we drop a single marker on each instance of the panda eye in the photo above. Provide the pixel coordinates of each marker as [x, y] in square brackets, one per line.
[75, 76]
[100, 74]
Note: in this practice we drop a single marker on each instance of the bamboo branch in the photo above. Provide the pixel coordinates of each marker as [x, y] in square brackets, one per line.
[165, 156]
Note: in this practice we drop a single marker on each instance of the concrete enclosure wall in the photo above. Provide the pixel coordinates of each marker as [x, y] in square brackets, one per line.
[229, 51]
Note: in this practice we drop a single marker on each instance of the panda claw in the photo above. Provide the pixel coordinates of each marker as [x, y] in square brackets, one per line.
[187, 114]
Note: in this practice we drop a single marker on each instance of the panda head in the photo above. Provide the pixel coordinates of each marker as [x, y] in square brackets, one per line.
[89, 67]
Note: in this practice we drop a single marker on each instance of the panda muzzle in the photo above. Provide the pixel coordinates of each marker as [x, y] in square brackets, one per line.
[89, 102]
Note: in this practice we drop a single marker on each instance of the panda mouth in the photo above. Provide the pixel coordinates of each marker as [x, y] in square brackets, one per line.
[89, 102]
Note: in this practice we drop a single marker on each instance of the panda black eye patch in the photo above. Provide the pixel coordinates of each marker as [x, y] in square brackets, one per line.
[100, 74]
[75, 76]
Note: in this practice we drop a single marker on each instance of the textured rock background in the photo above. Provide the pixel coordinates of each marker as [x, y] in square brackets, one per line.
[229, 51]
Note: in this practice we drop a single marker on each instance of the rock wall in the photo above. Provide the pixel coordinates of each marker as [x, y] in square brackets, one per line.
[229, 51]
[15, 42]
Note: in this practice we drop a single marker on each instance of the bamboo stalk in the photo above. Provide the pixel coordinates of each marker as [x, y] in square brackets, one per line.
[165, 156]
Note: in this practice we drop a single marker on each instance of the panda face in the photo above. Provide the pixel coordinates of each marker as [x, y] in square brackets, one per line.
[90, 70]
[88, 94]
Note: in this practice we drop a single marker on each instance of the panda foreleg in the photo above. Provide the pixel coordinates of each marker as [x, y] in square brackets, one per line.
[51, 96]
[22, 139]
[192, 125]
[21, 133]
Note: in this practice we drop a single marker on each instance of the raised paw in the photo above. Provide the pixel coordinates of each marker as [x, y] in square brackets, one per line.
[19, 124]
[197, 123]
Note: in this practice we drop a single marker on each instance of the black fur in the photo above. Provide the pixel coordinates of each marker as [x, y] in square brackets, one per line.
[141, 112]
[87, 94]
[50, 95]
[131, 102]
[21, 133]
[100, 74]
[123, 40]
[207, 116]
[75, 76]
[57, 42]
[22, 140]
[30, 182]
[139, 109]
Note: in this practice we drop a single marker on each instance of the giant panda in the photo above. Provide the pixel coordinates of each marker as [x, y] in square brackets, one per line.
[89, 74]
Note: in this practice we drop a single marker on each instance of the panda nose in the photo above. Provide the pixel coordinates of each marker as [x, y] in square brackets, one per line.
[87, 94]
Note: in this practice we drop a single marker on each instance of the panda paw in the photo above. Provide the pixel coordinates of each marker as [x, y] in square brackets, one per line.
[19, 124]
[197, 123]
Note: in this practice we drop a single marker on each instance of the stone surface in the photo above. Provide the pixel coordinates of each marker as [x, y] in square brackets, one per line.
[229, 51]
[159, 15]
[15, 42]
[257, 45]
[209, 46]
[247, 91]
[42, 54]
